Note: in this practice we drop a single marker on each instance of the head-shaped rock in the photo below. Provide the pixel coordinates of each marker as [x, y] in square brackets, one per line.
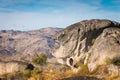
[74, 42]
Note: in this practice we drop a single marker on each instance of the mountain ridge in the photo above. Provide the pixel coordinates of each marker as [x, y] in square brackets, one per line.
[26, 43]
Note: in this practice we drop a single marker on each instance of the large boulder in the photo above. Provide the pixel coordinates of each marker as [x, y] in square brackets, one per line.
[88, 41]
[106, 47]
[14, 66]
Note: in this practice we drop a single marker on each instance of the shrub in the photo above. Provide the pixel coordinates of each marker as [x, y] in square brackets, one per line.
[108, 61]
[93, 41]
[40, 59]
[88, 57]
[84, 70]
[36, 71]
[79, 64]
[26, 73]
[23, 58]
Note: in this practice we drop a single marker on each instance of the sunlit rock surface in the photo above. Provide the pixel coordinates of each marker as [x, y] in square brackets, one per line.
[88, 41]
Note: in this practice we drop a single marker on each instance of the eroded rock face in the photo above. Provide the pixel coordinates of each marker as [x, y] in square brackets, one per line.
[100, 38]
[106, 46]
[14, 66]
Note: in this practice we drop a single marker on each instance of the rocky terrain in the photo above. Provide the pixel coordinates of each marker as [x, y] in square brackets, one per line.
[14, 66]
[18, 45]
[90, 49]
[91, 42]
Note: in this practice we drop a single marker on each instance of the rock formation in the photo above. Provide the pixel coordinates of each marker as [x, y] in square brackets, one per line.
[106, 46]
[14, 66]
[88, 41]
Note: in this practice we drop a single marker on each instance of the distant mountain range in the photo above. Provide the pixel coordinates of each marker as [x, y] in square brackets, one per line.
[16, 45]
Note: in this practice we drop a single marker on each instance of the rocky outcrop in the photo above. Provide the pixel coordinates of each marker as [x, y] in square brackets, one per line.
[17, 45]
[106, 46]
[114, 70]
[14, 66]
[88, 41]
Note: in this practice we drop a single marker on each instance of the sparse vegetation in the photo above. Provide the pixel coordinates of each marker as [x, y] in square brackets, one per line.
[117, 62]
[88, 57]
[26, 73]
[79, 64]
[108, 61]
[93, 41]
[84, 71]
[40, 59]
[52, 73]
[23, 58]
[36, 71]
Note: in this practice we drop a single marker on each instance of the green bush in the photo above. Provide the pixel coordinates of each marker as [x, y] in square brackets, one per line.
[40, 59]
[84, 70]
[36, 71]
[79, 64]
[88, 57]
[93, 41]
[23, 58]
[26, 73]
[108, 61]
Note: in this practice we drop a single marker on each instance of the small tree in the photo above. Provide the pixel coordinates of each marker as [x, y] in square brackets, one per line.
[40, 59]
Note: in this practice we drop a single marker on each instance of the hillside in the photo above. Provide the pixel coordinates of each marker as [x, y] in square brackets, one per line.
[86, 50]
[16, 45]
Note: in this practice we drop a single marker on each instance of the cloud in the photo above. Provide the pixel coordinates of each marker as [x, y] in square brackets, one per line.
[51, 14]
[29, 21]
[4, 3]
[32, 5]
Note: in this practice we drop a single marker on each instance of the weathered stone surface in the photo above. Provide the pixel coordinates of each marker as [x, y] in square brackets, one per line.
[106, 46]
[100, 38]
[113, 70]
[14, 66]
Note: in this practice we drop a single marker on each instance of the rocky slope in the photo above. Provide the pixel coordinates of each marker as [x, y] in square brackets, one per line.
[16, 45]
[90, 42]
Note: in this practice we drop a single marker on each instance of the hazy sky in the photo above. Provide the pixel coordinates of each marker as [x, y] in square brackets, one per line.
[36, 14]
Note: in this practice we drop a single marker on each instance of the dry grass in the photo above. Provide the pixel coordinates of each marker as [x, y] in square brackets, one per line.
[54, 75]
[53, 72]
[83, 71]
[100, 72]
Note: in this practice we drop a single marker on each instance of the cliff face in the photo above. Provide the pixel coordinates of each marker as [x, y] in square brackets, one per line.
[15, 45]
[89, 41]
[106, 46]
